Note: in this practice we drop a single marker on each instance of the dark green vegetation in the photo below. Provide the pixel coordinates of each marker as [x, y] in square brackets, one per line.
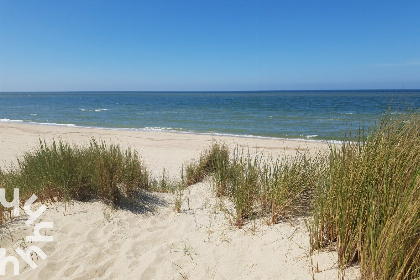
[363, 198]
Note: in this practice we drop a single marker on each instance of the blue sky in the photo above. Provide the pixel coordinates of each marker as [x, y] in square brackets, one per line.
[208, 45]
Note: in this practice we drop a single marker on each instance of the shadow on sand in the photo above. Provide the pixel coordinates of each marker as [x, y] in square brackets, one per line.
[142, 202]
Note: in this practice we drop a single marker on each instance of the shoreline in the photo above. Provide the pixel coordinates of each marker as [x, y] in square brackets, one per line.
[171, 130]
[159, 149]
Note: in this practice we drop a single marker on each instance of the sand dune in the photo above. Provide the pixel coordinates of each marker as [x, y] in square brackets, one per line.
[152, 241]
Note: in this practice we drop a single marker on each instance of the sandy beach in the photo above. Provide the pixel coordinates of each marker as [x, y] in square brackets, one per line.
[93, 241]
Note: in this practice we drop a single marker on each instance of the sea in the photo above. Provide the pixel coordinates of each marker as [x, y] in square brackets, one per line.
[308, 115]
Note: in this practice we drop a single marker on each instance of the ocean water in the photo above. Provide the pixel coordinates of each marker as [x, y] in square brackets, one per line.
[314, 115]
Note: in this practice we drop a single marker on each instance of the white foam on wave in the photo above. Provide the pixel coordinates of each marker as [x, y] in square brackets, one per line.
[9, 120]
[56, 124]
[311, 136]
[167, 129]
[36, 123]
[94, 110]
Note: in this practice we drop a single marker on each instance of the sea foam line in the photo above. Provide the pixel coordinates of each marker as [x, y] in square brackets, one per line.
[37, 123]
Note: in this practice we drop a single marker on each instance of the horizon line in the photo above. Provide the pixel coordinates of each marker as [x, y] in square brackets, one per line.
[207, 91]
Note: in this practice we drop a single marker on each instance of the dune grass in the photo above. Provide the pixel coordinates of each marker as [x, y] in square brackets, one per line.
[212, 160]
[258, 186]
[262, 187]
[60, 171]
[368, 204]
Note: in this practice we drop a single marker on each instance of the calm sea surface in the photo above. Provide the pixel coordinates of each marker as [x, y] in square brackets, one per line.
[315, 115]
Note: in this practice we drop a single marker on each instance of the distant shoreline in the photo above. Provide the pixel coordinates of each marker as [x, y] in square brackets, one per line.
[162, 130]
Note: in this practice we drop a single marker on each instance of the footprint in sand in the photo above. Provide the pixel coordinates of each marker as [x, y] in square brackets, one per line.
[108, 228]
[155, 262]
[50, 270]
[69, 271]
[142, 246]
[93, 234]
[49, 248]
[96, 271]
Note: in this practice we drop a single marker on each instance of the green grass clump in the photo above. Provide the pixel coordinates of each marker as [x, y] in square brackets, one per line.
[209, 162]
[258, 186]
[289, 185]
[368, 203]
[60, 171]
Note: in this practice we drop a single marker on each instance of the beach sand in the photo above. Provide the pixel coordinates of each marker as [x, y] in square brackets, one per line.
[93, 241]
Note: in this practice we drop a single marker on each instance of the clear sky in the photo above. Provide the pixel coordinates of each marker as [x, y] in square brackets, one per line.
[208, 45]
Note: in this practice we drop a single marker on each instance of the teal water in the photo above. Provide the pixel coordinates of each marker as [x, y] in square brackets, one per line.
[316, 115]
